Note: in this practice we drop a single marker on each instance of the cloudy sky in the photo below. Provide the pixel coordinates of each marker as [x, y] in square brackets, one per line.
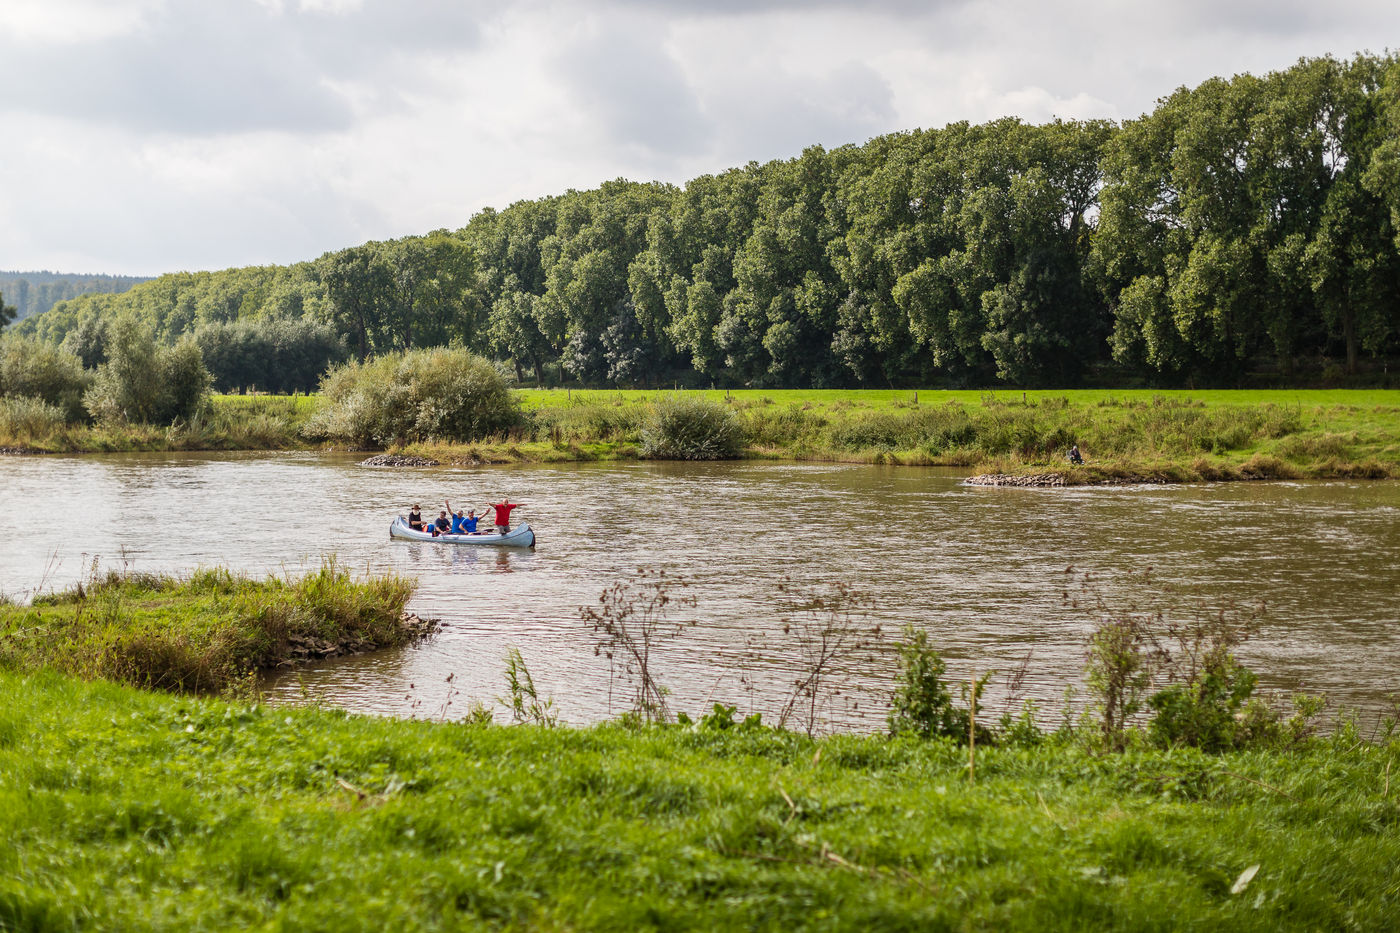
[148, 136]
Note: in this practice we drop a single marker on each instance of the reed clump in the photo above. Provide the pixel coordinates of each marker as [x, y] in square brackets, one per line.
[202, 632]
[685, 427]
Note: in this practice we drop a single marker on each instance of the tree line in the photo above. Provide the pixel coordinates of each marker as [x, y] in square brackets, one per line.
[36, 292]
[1245, 224]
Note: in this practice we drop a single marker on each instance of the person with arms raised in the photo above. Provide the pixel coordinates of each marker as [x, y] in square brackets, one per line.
[503, 510]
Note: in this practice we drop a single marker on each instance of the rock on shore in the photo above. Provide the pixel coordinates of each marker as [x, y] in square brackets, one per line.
[397, 460]
[1008, 479]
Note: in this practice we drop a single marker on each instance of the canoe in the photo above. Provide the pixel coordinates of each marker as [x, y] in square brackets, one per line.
[521, 535]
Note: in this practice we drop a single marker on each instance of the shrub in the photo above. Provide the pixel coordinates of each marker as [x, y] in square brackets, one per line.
[34, 369]
[440, 394]
[690, 428]
[31, 418]
[630, 622]
[1213, 712]
[1208, 698]
[1119, 672]
[1211, 704]
[922, 705]
[144, 383]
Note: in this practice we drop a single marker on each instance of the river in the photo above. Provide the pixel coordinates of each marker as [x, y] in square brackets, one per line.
[982, 569]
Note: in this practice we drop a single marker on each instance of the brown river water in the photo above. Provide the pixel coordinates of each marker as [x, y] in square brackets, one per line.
[982, 569]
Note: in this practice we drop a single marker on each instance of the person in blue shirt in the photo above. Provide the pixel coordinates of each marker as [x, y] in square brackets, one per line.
[462, 524]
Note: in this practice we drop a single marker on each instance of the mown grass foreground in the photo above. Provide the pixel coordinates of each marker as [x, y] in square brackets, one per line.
[124, 809]
[202, 632]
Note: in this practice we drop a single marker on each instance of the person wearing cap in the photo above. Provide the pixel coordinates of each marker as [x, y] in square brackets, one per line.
[415, 518]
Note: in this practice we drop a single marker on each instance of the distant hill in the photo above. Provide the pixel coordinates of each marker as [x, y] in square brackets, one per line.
[34, 292]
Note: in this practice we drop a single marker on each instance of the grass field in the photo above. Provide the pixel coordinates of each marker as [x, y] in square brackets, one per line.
[1154, 435]
[125, 810]
[1132, 434]
[882, 399]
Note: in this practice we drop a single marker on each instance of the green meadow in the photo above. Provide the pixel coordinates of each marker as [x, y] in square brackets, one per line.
[145, 786]
[126, 810]
[1125, 435]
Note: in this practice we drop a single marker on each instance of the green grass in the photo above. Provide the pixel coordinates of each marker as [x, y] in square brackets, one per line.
[1181, 435]
[203, 632]
[1135, 434]
[233, 422]
[128, 810]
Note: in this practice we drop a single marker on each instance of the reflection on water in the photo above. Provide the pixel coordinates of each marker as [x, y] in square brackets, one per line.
[982, 569]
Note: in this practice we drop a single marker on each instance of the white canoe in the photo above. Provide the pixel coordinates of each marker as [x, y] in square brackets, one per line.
[521, 535]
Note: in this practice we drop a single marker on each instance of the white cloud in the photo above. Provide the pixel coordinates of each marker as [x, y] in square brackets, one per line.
[144, 136]
[71, 22]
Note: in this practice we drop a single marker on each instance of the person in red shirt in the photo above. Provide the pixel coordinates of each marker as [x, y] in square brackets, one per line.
[503, 509]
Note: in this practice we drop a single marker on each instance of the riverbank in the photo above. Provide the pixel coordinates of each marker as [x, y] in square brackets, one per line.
[132, 810]
[1125, 435]
[207, 632]
[232, 422]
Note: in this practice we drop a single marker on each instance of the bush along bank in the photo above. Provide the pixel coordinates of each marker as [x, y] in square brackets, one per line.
[465, 414]
[1128, 437]
[207, 631]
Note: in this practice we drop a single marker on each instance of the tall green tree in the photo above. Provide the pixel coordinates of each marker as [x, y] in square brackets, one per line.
[7, 312]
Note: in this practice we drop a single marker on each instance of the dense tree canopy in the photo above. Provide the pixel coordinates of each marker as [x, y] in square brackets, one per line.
[36, 292]
[1249, 223]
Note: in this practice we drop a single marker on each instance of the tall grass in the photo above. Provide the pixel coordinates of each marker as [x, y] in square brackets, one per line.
[202, 632]
[685, 427]
[231, 422]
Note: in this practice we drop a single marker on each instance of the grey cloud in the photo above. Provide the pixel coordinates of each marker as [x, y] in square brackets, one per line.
[229, 66]
[636, 91]
[708, 8]
[784, 115]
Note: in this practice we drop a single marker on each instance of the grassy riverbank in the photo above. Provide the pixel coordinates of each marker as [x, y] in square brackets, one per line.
[233, 422]
[131, 810]
[1171, 436]
[203, 632]
[1124, 434]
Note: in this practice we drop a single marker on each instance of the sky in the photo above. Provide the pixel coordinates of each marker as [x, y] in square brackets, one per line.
[146, 136]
